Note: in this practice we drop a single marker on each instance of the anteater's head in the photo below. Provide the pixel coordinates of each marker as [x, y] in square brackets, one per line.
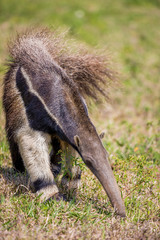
[83, 136]
[96, 158]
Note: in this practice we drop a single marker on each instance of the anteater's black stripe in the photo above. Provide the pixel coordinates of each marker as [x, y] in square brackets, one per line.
[37, 115]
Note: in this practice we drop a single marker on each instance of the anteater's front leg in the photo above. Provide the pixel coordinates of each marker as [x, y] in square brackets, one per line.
[72, 173]
[33, 147]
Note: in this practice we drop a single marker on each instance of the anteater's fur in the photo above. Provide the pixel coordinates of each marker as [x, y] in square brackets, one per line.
[44, 91]
[90, 70]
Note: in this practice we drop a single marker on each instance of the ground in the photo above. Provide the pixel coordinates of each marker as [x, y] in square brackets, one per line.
[129, 31]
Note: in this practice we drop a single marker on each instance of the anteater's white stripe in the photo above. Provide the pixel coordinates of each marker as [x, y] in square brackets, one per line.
[29, 83]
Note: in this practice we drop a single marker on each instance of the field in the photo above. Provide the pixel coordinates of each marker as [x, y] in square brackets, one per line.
[129, 31]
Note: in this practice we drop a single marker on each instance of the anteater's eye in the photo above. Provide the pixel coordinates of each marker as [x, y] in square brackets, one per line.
[89, 162]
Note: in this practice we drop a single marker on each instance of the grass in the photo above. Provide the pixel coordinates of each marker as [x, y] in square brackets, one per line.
[130, 30]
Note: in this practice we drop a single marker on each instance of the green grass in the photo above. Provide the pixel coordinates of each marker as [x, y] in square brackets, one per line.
[130, 31]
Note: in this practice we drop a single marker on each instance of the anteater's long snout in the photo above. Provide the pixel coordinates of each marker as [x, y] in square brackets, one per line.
[102, 170]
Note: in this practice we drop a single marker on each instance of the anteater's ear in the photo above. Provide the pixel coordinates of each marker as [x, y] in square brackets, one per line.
[77, 141]
[101, 135]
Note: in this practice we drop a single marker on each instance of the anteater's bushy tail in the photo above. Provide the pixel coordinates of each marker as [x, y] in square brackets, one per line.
[89, 70]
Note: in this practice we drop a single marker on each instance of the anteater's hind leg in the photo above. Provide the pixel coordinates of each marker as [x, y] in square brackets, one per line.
[72, 173]
[33, 147]
[16, 156]
[55, 156]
